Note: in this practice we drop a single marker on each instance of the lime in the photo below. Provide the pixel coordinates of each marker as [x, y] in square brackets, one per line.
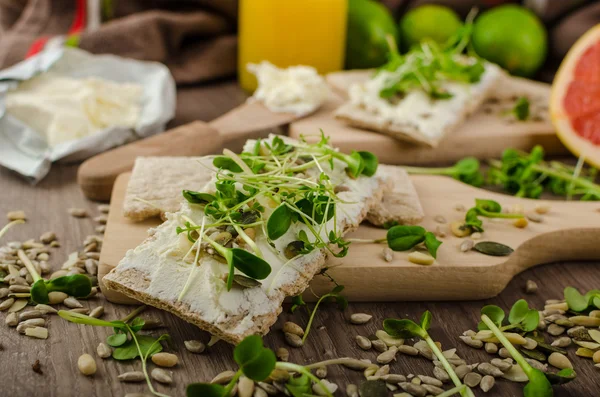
[513, 37]
[369, 22]
[430, 21]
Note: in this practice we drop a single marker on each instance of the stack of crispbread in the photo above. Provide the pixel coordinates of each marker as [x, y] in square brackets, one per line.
[154, 273]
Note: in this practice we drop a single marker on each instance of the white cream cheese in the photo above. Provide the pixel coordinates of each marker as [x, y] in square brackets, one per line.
[429, 116]
[235, 310]
[64, 108]
[297, 89]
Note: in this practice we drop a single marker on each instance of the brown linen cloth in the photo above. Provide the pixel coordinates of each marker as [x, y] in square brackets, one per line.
[194, 38]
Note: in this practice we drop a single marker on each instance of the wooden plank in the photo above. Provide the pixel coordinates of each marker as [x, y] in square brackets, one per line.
[570, 231]
[483, 135]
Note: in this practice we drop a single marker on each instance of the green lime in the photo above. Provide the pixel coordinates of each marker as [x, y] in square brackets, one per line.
[513, 37]
[429, 21]
[369, 22]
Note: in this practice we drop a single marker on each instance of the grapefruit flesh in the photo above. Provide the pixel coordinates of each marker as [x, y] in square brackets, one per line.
[575, 102]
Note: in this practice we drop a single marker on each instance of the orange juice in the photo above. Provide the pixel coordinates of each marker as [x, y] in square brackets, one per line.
[291, 32]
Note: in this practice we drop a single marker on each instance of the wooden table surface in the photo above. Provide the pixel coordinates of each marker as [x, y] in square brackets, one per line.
[332, 336]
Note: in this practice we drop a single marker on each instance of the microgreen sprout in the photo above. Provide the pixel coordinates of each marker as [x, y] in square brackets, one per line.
[521, 109]
[488, 209]
[580, 303]
[256, 362]
[520, 317]
[406, 329]
[404, 238]
[465, 170]
[129, 344]
[9, 225]
[275, 174]
[77, 285]
[333, 295]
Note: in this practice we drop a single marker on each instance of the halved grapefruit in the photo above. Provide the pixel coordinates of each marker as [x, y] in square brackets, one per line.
[575, 98]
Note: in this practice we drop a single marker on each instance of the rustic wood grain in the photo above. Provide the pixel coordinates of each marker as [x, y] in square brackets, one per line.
[332, 335]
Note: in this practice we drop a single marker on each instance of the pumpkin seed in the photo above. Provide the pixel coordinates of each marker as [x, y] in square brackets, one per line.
[161, 376]
[487, 382]
[245, 282]
[563, 306]
[363, 343]
[544, 347]
[18, 305]
[559, 361]
[360, 318]
[534, 354]
[373, 388]
[493, 249]
[131, 376]
[583, 352]
[564, 322]
[585, 321]
[293, 328]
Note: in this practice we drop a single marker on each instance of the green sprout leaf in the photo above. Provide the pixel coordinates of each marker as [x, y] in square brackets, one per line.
[79, 318]
[432, 243]
[426, 320]
[403, 238]
[495, 313]
[279, 222]
[297, 302]
[522, 316]
[77, 285]
[488, 205]
[255, 361]
[300, 386]
[466, 170]
[370, 162]
[116, 340]
[204, 390]
[521, 109]
[404, 328]
[575, 300]
[148, 346]
[198, 197]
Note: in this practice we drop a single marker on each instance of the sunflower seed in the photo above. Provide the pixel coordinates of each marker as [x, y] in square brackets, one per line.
[441, 374]
[440, 219]
[77, 212]
[161, 376]
[72, 303]
[363, 343]
[245, 387]
[293, 340]
[91, 266]
[270, 389]
[504, 353]
[379, 345]
[6, 304]
[559, 361]
[18, 215]
[563, 341]
[103, 350]
[557, 306]
[487, 382]
[501, 364]
[469, 341]
[48, 237]
[423, 349]
[101, 219]
[4, 292]
[420, 258]
[432, 390]
[223, 377]
[489, 369]
[293, 328]
[279, 375]
[462, 370]
[17, 280]
[408, 350]
[282, 354]
[530, 344]
[394, 378]
[194, 346]
[588, 345]
[56, 297]
[352, 390]
[360, 318]
[163, 359]
[12, 319]
[19, 288]
[388, 339]
[493, 249]
[18, 305]
[132, 376]
[413, 389]
[428, 380]
[97, 312]
[80, 310]
[585, 321]
[467, 245]
[491, 348]
[531, 287]
[555, 330]
[388, 254]
[534, 217]
[37, 332]
[596, 357]
[459, 229]
[387, 356]
[536, 364]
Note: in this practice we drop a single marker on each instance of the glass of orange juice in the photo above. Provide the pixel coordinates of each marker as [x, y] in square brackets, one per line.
[291, 32]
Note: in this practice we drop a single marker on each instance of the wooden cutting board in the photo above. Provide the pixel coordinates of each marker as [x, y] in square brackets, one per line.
[485, 134]
[571, 230]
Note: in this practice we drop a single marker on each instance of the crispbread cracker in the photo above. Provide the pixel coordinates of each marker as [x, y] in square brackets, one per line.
[156, 183]
[400, 201]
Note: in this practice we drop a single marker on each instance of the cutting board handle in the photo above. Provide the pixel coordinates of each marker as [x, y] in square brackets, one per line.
[97, 175]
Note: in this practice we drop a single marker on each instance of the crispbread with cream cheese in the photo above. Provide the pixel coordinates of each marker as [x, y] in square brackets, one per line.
[415, 117]
[155, 272]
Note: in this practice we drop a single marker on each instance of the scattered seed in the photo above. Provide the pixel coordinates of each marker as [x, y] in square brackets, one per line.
[77, 212]
[6, 304]
[534, 217]
[72, 303]
[588, 345]
[360, 318]
[101, 219]
[97, 312]
[282, 354]
[487, 382]
[91, 266]
[29, 314]
[161, 376]
[476, 236]
[279, 375]
[387, 356]
[408, 350]
[363, 343]
[585, 321]
[55, 244]
[423, 349]
[388, 254]
[469, 341]
[542, 209]
[48, 237]
[563, 341]
[37, 367]
[596, 357]
[17, 280]
[441, 374]
[460, 208]
[440, 219]
[18, 305]
[270, 389]
[459, 229]
[223, 377]
[489, 369]
[491, 348]
[493, 249]
[531, 287]
[103, 350]
[563, 306]
[194, 346]
[579, 333]
[501, 364]
[12, 319]
[165, 359]
[388, 339]
[583, 352]
[420, 258]
[466, 245]
[440, 232]
[379, 345]
[56, 297]
[428, 380]
[559, 361]
[80, 310]
[504, 353]
[103, 208]
[293, 340]
[18, 215]
[293, 328]
[462, 370]
[245, 387]
[530, 344]
[413, 389]
[132, 376]
[564, 322]
[555, 330]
